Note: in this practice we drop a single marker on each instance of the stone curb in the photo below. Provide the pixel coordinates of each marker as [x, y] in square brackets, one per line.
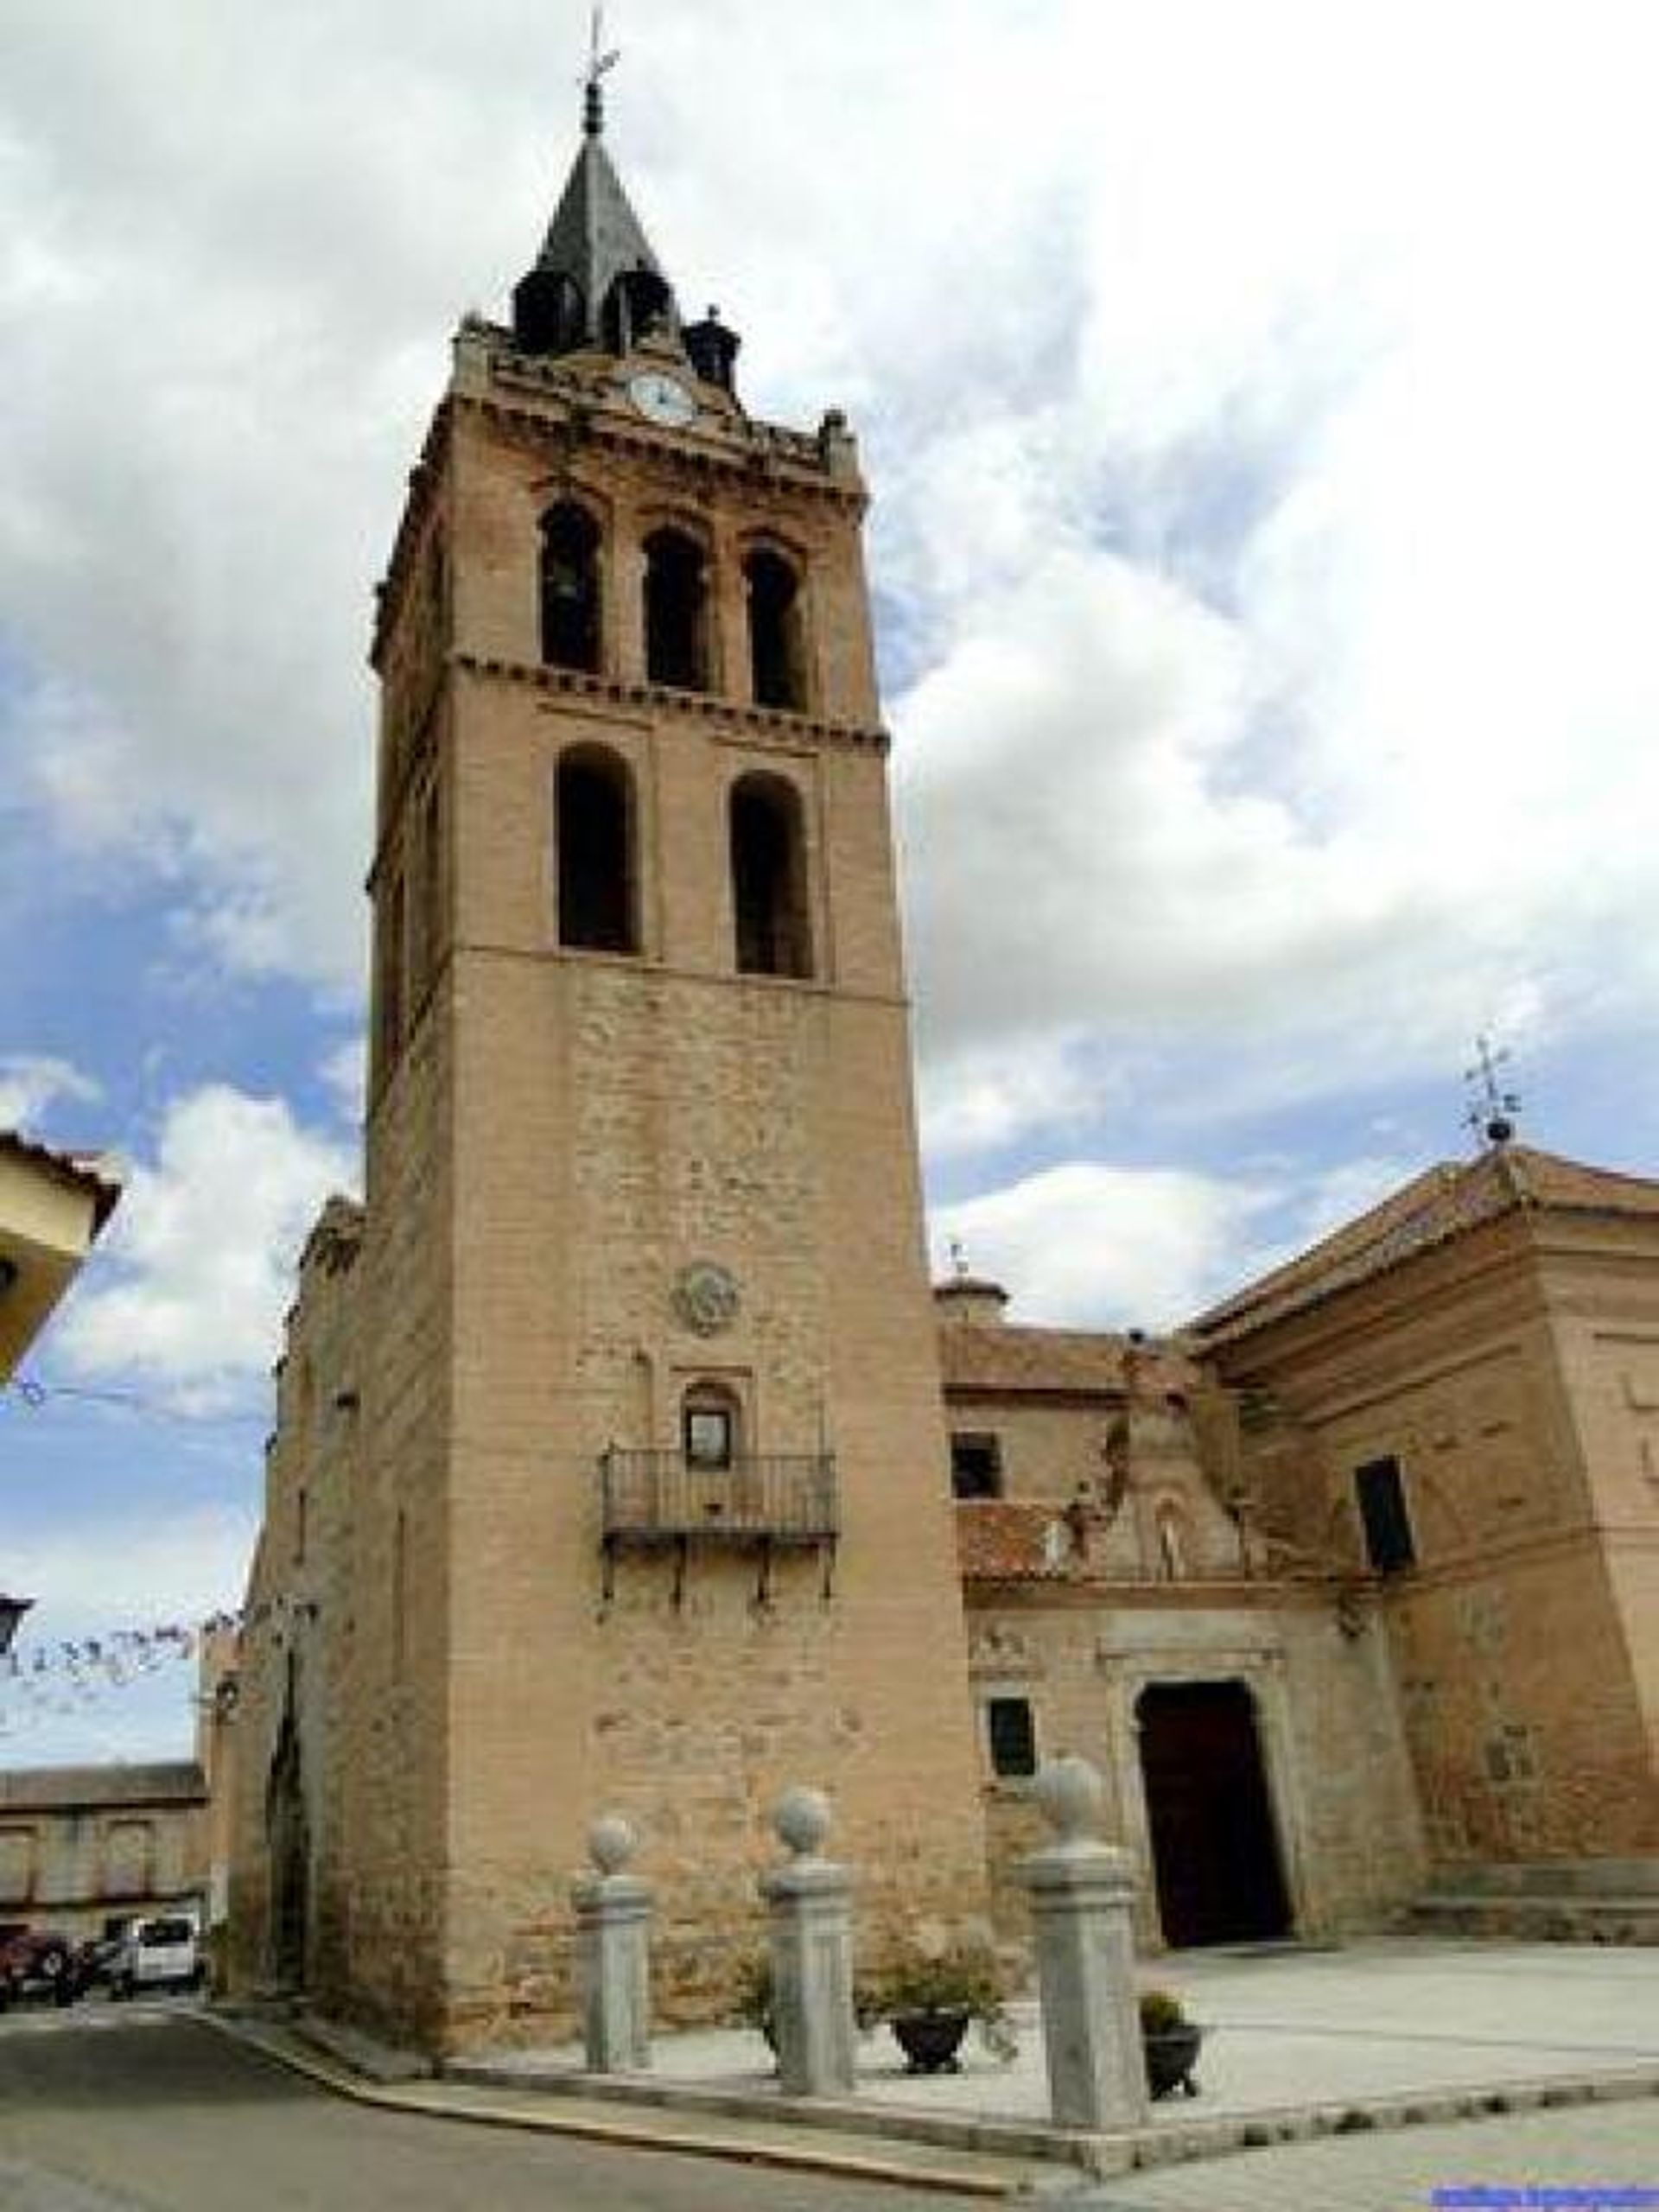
[1103, 2157]
[409, 2096]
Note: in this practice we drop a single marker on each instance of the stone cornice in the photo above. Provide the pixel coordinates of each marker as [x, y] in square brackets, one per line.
[657, 700]
[759, 463]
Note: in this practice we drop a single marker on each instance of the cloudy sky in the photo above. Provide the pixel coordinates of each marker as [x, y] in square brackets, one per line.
[1259, 403]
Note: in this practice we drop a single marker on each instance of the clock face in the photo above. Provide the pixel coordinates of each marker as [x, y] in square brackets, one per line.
[662, 399]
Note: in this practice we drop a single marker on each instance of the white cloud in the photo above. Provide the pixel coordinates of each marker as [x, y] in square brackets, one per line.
[1260, 432]
[192, 1283]
[32, 1083]
[1085, 1245]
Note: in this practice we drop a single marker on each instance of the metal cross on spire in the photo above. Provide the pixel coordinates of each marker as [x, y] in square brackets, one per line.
[1492, 1109]
[599, 61]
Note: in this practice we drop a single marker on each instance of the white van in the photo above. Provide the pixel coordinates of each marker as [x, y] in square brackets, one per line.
[163, 1952]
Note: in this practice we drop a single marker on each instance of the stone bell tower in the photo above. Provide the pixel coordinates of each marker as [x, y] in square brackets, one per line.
[653, 1512]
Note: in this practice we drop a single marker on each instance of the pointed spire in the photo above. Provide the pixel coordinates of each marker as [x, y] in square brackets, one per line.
[596, 282]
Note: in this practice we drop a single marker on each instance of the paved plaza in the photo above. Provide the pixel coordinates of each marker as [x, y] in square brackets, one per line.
[1286, 2029]
[107, 2107]
[1600, 2158]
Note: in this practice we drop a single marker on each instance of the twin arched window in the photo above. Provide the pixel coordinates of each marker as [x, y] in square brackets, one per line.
[596, 840]
[677, 614]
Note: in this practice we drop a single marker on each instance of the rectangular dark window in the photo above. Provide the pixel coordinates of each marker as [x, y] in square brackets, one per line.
[707, 1436]
[976, 1466]
[1012, 1736]
[1389, 1545]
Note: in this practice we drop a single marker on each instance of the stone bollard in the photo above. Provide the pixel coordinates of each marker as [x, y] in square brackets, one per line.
[1082, 1894]
[612, 1948]
[809, 1900]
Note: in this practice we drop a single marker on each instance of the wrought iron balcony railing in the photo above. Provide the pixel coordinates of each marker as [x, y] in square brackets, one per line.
[662, 1497]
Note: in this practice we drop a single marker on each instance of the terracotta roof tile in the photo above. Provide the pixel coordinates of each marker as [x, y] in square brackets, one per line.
[1445, 1201]
[998, 1357]
[1000, 1541]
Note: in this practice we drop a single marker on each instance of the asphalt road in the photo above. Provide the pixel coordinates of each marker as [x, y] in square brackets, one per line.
[103, 2110]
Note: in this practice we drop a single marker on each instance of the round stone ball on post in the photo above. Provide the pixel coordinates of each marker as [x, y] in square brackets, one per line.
[613, 1951]
[809, 1902]
[1081, 1896]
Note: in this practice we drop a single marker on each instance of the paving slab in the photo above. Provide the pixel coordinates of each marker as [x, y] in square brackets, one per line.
[1599, 2159]
[1360, 2041]
[1284, 2029]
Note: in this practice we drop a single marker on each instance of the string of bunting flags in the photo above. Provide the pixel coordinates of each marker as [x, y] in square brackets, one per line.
[40, 1680]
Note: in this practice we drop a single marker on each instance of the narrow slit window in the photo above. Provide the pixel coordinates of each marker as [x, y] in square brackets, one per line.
[769, 878]
[1384, 1517]
[595, 808]
[570, 587]
[390, 1024]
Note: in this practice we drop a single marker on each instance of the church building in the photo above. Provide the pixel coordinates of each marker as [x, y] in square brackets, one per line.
[625, 1459]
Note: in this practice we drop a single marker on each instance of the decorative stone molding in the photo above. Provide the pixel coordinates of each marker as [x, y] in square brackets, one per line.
[705, 1297]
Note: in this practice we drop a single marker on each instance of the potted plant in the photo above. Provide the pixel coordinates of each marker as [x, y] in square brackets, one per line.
[1171, 2042]
[930, 1999]
[755, 2005]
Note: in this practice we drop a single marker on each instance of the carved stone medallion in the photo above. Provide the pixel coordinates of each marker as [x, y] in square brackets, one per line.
[705, 1297]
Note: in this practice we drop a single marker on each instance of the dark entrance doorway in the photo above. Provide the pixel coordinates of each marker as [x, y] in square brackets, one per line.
[1214, 1851]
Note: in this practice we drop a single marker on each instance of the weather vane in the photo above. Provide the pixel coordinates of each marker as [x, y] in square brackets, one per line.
[1492, 1109]
[599, 62]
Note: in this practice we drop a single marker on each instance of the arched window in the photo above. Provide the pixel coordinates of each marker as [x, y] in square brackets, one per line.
[570, 593]
[637, 303]
[710, 1436]
[676, 624]
[594, 802]
[769, 878]
[777, 676]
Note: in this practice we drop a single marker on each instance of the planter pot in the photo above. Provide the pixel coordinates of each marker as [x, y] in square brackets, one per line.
[1171, 2057]
[930, 2041]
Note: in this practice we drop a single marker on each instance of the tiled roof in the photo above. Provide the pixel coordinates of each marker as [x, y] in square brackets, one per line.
[998, 1357]
[1000, 1541]
[1445, 1202]
[74, 1789]
[97, 1172]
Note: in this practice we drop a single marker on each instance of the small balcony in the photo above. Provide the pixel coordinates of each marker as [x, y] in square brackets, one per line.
[766, 1501]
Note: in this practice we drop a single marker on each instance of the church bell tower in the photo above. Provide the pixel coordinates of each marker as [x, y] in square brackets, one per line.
[654, 1509]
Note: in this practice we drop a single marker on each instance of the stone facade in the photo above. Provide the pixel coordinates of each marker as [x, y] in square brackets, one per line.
[503, 1627]
[622, 1465]
[85, 1849]
[1111, 1566]
[1491, 1334]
